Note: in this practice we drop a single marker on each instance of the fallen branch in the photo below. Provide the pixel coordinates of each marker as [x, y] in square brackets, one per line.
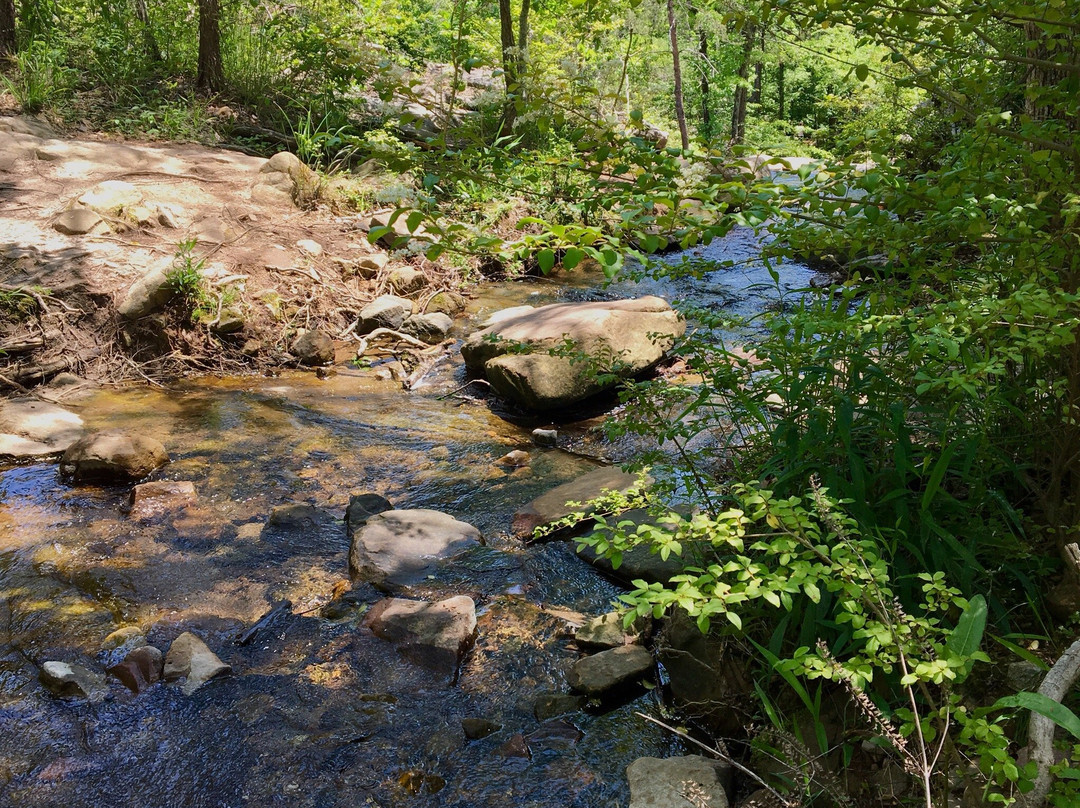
[395, 336]
[1058, 681]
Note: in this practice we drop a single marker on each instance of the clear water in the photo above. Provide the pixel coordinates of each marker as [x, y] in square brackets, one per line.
[317, 713]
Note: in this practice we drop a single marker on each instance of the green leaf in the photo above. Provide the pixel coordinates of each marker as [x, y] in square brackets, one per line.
[1044, 706]
[413, 220]
[572, 258]
[434, 251]
[862, 72]
[546, 260]
[966, 638]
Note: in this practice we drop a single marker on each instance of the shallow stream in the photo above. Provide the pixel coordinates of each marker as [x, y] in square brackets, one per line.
[316, 712]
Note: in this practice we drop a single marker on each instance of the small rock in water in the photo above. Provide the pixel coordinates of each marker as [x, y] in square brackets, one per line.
[141, 668]
[601, 672]
[552, 506]
[190, 658]
[112, 456]
[250, 531]
[557, 734]
[545, 437]
[433, 635]
[313, 348]
[125, 637]
[295, 515]
[477, 728]
[516, 459]
[550, 705]
[362, 507]
[668, 782]
[71, 681]
[153, 499]
[515, 747]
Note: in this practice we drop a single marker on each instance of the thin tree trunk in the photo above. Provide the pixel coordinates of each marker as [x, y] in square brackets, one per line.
[706, 112]
[522, 54]
[510, 79]
[780, 91]
[738, 109]
[759, 72]
[8, 42]
[680, 113]
[149, 40]
[211, 75]
[622, 77]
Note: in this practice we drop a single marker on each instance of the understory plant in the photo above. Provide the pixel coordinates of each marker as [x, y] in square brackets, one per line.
[763, 555]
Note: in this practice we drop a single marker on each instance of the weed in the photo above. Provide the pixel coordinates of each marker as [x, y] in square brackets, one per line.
[41, 78]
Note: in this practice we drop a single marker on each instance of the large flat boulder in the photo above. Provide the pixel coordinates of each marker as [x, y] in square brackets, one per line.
[397, 549]
[35, 429]
[617, 338]
[554, 505]
[433, 635]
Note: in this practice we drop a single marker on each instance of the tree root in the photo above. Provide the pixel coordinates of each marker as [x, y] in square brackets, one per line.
[1058, 681]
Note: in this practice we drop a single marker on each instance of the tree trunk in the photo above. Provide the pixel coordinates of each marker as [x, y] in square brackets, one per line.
[680, 113]
[780, 91]
[510, 78]
[622, 77]
[759, 71]
[149, 40]
[8, 42]
[738, 109]
[211, 76]
[521, 57]
[706, 112]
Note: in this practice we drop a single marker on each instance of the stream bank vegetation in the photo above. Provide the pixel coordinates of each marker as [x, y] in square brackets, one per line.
[884, 476]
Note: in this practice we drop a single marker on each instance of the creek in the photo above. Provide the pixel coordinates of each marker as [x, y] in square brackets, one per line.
[318, 713]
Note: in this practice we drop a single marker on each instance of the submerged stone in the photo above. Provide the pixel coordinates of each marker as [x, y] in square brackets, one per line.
[70, 681]
[433, 635]
[112, 456]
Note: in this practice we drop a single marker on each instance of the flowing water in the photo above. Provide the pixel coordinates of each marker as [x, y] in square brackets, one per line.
[317, 712]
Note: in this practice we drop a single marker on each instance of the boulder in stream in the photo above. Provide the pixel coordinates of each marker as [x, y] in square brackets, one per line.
[668, 782]
[599, 673]
[190, 659]
[552, 506]
[603, 631]
[432, 635]
[430, 328]
[112, 456]
[618, 338]
[397, 549]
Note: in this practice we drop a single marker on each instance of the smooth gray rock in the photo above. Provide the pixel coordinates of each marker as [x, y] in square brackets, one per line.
[552, 506]
[448, 302]
[676, 782]
[401, 548]
[431, 328]
[368, 266]
[149, 294]
[30, 428]
[387, 311]
[79, 222]
[432, 635]
[283, 180]
[620, 338]
[596, 674]
[406, 280]
[545, 437]
[190, 659]
[313, 348]
[112, 456]
[71, 681]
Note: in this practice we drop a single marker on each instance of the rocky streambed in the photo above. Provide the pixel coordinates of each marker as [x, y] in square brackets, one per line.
[323, 597]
